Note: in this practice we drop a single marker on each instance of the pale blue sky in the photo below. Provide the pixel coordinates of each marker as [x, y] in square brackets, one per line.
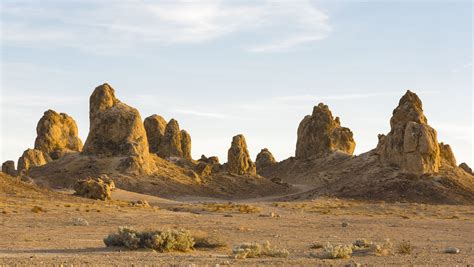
[227, 67]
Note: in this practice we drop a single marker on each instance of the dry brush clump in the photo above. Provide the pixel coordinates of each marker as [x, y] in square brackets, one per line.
[360, 246]
[230, 207]
[203, 241]
[256, 250]
[404, 247]
[160, 240]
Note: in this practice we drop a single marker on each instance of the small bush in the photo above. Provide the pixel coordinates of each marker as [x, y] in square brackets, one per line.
[405, 247]
[162, 241]
[337, 251]
[203, 241]
[361, 243]
[230, 207]
[316, 245]
[256, 250]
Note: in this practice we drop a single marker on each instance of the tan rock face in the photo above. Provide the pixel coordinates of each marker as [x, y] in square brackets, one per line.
[8, 167]
[186, 144]
[32, 158]
[264, 159]
[93, 188]
[57, 132]
[175, 142]
[155, 126]
[465, 167]
[238, 158]
[116, 129]
[171, 145]
[411, 143]
[447, 155]
[320, 134]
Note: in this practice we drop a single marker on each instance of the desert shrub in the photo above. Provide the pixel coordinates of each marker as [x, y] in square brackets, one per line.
[383, 249]
[361, 243]
[404, 247]
[256, 250]
[230, 207]
[337, 251]
[162, 240]
[204, 241]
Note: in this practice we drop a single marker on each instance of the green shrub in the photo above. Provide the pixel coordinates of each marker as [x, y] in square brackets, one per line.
[162, 240]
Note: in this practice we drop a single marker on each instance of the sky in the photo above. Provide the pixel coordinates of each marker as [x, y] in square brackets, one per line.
[223, 68]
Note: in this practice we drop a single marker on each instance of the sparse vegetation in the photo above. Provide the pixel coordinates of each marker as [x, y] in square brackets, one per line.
[204, 241]
[162, 240]
[230, 207]
[256, 250]
[405, 247]
[316, 245]
[336, 251]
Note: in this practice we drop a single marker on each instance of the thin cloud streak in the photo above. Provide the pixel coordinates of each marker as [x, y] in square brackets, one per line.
[201, 114]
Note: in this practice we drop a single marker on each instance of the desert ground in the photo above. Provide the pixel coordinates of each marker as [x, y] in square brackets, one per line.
[39, 227]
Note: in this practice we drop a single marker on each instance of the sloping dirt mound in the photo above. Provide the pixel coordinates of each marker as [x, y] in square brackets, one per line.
[363, 177]
[13, 186]
[168, 180]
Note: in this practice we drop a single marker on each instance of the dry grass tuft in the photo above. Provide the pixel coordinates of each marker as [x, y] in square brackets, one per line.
[203, 241]
[405, 247]
[256, 250]
[37, 209]
[336, 251]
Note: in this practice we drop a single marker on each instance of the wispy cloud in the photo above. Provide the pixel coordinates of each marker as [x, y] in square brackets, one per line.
[201, 113]
[111, 26]
[462, 67]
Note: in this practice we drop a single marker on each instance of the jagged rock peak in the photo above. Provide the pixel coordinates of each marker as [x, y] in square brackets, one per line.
[238, 157]
[411, 143]
[175, 142]
[447, 155]
[57, 132]
[320, 134]
[155, 126]
[264, 159]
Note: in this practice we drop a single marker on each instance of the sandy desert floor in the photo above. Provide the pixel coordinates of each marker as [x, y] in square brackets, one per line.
[50, 237]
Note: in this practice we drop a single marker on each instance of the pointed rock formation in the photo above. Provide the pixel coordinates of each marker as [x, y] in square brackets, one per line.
[155, 126]
[116, 129]
[264, 159]
[171, 144]
[32, 158]
[175, 142]
[57, 132]
[238, 158]
[465, 167]
[447, 155]
[186, 144]
[320, 134]
[8, 167]
[411, 143]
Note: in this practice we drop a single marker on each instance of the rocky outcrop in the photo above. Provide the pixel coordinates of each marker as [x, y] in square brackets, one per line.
[447, 155]
[116, 129]
[207, 166]
[93, 188]
[411, 143]
[155, 126]
[175, 142]
[465, 167]
[320, 134]
[238, 158]
[57, 132]
[264, 159]
[186, 144]
[32, 158]
[8, 167]
[171, 145]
